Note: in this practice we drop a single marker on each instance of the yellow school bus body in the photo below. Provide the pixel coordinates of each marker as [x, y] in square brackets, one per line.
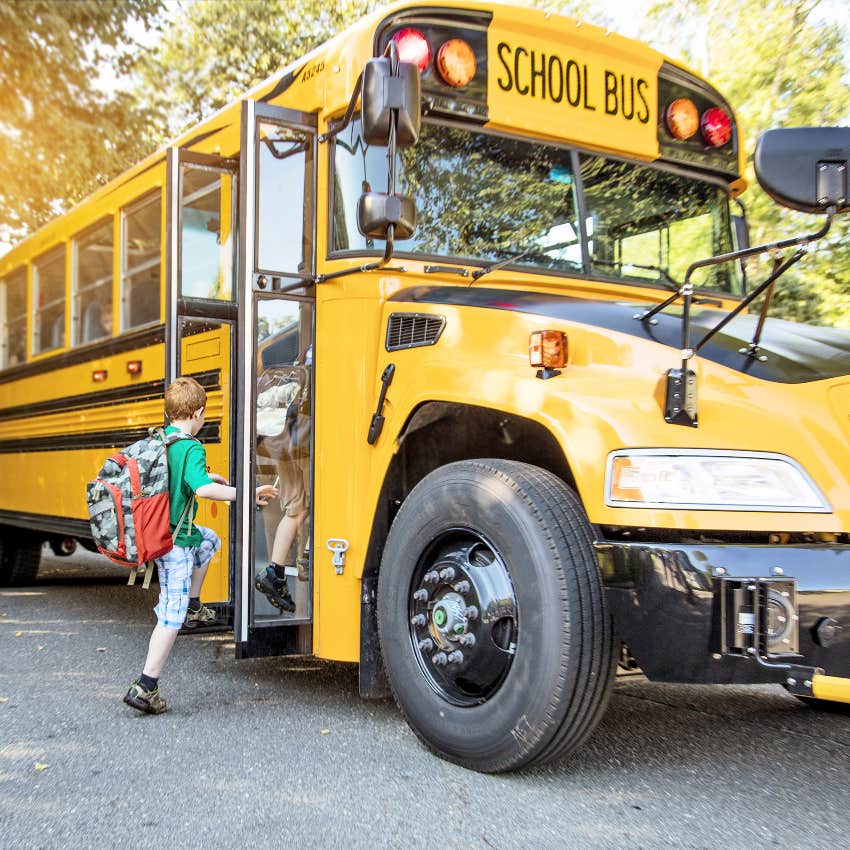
[610, 394]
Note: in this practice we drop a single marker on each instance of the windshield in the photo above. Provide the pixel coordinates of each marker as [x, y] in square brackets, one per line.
[483, 198]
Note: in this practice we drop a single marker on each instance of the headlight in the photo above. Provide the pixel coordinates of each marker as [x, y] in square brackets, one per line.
[709, 480]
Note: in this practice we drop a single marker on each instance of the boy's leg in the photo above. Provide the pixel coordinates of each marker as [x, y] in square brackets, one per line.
[174, 574]
[159, 648]
[198, 614]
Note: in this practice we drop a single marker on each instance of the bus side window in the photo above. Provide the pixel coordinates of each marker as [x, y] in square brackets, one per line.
[13, 319]
[93, 284]
[140, 263]
[48, 283]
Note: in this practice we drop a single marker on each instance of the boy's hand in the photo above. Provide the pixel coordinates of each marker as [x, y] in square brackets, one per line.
[219, 479]
[264, 493]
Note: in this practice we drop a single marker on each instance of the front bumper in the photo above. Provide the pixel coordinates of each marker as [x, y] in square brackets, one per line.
[665, 599]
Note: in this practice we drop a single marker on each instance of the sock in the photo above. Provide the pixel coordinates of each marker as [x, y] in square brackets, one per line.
[278, 569]
[148, 682]
[195, 602]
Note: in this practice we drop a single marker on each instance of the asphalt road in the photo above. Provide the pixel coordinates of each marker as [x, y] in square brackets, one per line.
[283, 752]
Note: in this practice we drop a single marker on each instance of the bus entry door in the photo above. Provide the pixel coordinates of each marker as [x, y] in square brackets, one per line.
[200, 325]
[274, 604]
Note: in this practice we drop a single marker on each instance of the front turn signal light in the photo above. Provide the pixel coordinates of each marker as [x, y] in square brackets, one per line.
[548, 349]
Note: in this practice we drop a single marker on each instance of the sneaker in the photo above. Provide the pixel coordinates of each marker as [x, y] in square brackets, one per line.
[139, 697]
[275, 589]
[202, 617]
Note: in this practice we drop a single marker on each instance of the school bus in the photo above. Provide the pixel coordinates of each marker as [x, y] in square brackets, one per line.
[489, 267]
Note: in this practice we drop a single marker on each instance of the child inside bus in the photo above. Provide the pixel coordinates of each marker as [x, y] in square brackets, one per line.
[290, 450]
[183, 569]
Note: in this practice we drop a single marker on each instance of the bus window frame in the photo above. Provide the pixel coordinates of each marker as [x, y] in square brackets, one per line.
[45, 258]
[576, 152]
[6, 321]
[126, 272]
[77, 314]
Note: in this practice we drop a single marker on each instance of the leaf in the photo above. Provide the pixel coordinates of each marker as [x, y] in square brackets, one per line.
[18, 634]
[326, 731]
[40, 766]
[4, 699]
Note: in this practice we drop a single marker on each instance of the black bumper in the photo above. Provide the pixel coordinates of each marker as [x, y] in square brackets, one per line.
[664, 599]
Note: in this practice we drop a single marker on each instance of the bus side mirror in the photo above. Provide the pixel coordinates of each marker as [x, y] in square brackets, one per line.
[385, 93]
[805, 168]
[376, 211]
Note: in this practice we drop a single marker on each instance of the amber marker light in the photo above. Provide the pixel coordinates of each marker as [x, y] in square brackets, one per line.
[134, 367]
[99, 376]
[625, 484]
[547, 349]
[682, 118]
[456, 62]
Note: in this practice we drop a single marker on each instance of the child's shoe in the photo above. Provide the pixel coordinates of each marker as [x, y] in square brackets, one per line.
[275, 589]
[140, 698]
[203, 616]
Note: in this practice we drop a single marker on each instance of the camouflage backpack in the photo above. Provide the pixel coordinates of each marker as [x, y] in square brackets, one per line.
[128, 503]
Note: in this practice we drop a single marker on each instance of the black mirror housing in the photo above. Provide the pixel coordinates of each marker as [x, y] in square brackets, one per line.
[805, 168]
[384, 93]
[376, 211]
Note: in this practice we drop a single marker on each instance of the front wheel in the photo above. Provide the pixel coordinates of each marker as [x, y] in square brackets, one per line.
[492, 617]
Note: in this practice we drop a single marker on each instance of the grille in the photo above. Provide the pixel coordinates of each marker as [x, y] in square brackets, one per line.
[411, 330]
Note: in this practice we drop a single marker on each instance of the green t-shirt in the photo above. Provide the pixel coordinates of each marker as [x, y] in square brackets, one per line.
[187, 470]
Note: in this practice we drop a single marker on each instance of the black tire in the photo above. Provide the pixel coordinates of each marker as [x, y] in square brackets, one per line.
[20, 556]
[536, 680]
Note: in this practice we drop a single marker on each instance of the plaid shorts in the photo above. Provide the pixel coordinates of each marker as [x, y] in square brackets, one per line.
[175, 575]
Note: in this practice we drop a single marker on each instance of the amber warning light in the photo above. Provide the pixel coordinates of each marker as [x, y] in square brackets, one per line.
[547, 349]
[454, 63]
[683, 120]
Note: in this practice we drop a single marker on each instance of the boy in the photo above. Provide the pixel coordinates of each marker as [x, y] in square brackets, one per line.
[183, 569]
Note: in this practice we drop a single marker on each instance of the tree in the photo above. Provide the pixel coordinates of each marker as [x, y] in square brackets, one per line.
[61, 135]
[216, 51]
[761, 56]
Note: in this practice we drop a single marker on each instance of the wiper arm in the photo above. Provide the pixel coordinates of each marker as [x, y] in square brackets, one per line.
[502, 263]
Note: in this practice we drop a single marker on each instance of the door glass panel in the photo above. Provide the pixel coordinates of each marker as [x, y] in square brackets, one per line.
[284, 161]
[283, 448]
[206, 237]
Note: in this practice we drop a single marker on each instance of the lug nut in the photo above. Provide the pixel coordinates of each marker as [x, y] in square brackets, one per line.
[447, 573]
[440, 659]
[466, 640]
[426, 644]
[471, 613]
[462, 587]
[421, 595]
[432, 577]
[455, 657]
[418, 620]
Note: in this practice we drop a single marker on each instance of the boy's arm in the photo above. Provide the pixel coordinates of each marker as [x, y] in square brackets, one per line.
[226, 493]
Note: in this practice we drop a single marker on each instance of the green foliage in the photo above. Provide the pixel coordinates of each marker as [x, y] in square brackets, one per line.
[60, 134]
[780, 65]
[215, 51]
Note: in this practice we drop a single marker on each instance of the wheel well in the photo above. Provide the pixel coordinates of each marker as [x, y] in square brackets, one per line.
[435, 434]
[438, 433]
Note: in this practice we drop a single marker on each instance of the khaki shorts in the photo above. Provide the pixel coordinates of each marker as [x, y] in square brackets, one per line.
[294, 485]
